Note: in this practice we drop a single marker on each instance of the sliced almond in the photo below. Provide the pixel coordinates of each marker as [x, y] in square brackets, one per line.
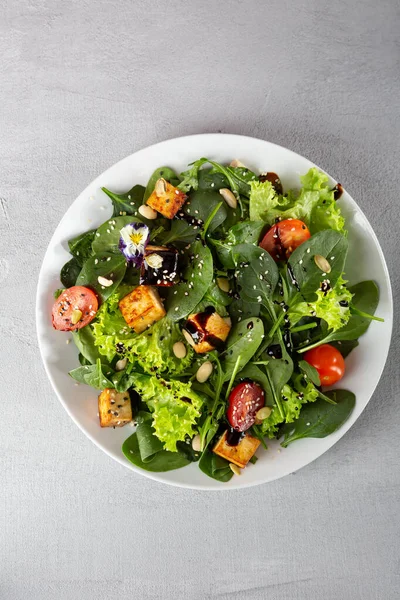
[322, 263]
[147, 212]
[179, 349]
[223, 284]
[105, 282]
[204, 372]
[235, 469]
[121, 364]
[228, 197]
[196, 443]
[76, 316]
[161, 187]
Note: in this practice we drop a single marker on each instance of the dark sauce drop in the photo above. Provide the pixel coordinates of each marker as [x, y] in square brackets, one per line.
[198, 329]
[274, 179]
[338, 191]
[343, 303]
[233, 437]
[293, 277]
[250, 325]
[274, 351]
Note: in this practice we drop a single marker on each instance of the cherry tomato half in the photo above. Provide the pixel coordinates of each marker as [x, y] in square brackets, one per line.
[68, 306]
[284, 237]
[244, 401]
[328, 361]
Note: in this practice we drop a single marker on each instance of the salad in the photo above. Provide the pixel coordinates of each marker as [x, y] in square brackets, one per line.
[212, 311]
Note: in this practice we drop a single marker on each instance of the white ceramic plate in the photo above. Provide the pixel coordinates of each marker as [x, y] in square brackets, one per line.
[366, 261]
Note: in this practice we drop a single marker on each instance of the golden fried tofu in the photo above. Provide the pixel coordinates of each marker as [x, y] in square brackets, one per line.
[166, 199]
[206, 331]
[142, 307]
[115, 408]
[238, 455]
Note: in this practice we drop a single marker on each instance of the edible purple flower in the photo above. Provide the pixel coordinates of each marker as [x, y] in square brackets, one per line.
[133, 241]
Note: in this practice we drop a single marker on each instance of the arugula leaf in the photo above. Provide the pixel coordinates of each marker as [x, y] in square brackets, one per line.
[320, 419]
[128, 203]
[243, 340]
[256, 275]
[197, 278]
[215, 466]
[302, 269]
[94, 375]
[108, 265]
[310, 371]
[164, 172]
[69, 273]
[81, 246]
[107, 235]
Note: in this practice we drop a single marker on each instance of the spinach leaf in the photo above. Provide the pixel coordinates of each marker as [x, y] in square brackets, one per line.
[319, 419]
[145, 450]
[245, 232]
[164, 172]
[82, 360]
[215, 466]
[366, 299]
[201, 204]
[303, 273]
[241, 309]
[196, 279]
[310, 371]
[256, 275]
[94, 375]
[107, 265]
[107, 236]
[244, 339]
[126, 204]
[84, 341]
[345, 346]
[81, 246]
[180, 232]
[69, 273]
[209, 180]
[242, 177]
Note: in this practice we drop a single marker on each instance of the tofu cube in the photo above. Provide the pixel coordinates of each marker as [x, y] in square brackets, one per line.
[238, 455]
[206, 331]
[115, 408]
[142, 307]
[160, 266]
[166, 199]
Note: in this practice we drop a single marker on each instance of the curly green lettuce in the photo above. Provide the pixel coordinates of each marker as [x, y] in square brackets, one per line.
[315, 204]
[175, 408]
[331, 306]
[301, 391]
[152, 349]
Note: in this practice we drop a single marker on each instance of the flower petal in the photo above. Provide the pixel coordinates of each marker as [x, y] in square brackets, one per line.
[133, 241]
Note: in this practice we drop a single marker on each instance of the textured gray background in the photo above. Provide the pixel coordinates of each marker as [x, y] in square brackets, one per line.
[83, 84]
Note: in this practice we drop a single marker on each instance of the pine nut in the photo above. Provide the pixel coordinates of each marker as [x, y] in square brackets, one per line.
[236, 163]
[188, 337]
[223, 284]
[147, 212]
[76, 316]
[105, 282]
[196, 443]
[235, 469]
[161, 187]
[228, 197]
[179, 349]
[204, 372]
[263, 413]
[121, 364]
[322, 263]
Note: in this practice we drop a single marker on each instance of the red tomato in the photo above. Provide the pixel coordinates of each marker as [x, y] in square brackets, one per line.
[328, 361]
[284, 237]
[244, 401]
[68, 305]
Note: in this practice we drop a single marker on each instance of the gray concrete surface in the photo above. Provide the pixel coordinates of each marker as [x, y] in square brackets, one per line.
[83, 84]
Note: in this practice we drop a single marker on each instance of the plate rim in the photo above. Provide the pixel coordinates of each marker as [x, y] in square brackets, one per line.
[121, 459]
